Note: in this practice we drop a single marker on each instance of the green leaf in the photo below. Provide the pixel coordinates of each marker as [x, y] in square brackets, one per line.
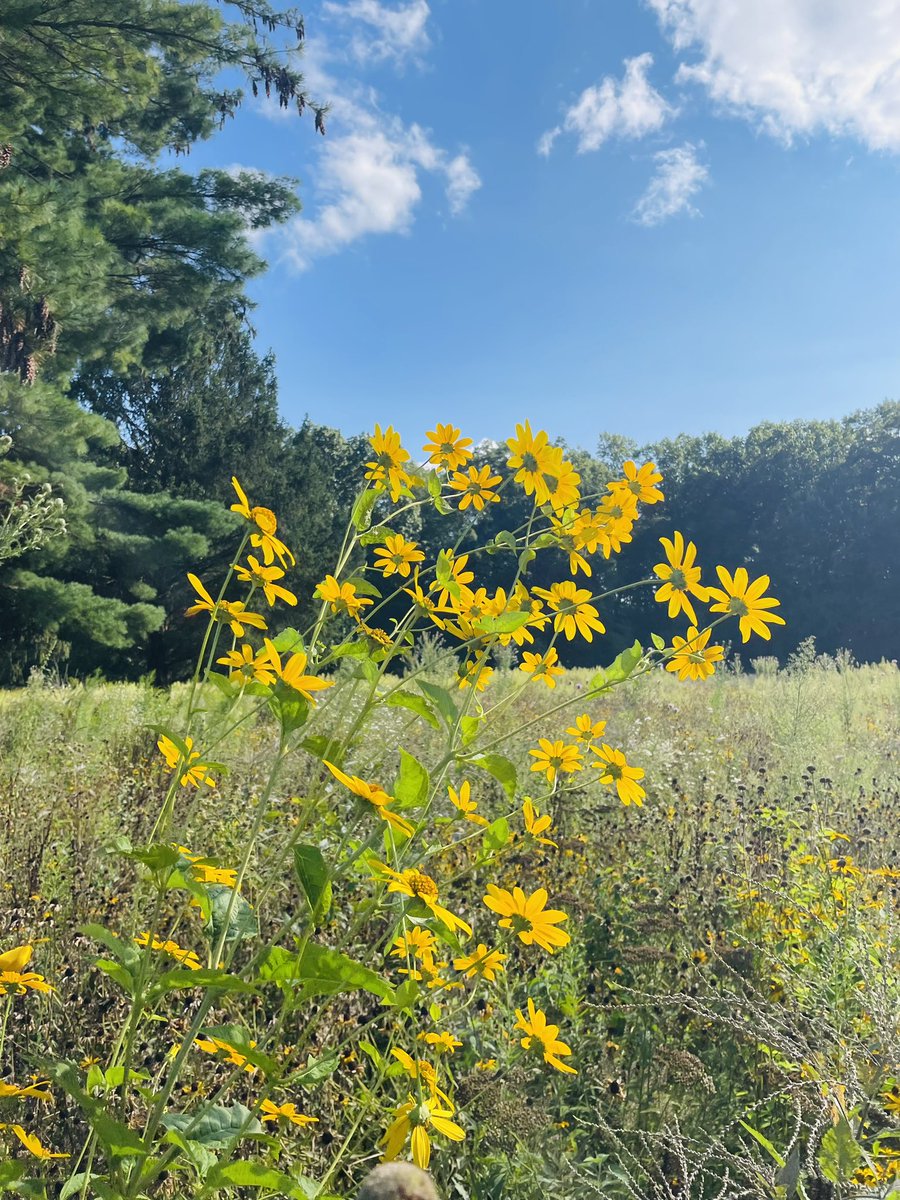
[496, 835]
[216, 1125]
[317, 971]
[204, 977]
[289, 708]
[71, 1187]
[118, 1140]
[361, 516]
[501, 769]
[443, 574]
[289, 641]
[414, 703]
[526, 558]
[371, 536]
[658, 642]
[411, 786]
[11, 1171]
[406, 994]
[316, 1071]
[312, 873]
[507, 622]
[230, 913]
[468, 729]
[839, 1153]
[364, 587]
[254, 1175]
[506, 539]
[765, 1143]
[618, 671]
[121, 975]
[323, 747]
[158, 857]
[441, 699]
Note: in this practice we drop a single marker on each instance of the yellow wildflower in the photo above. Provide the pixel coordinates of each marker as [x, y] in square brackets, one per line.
[639, 482]
[266, 578]
[740, 598]
[586, 730]
[447, 448]
[32, 1144]
[477, 487]
[397, 555]
[483, 963]
[375, 796]
[341, 596]
[681, 579]
[542, 666]
[288, 1112]
[527, 916]
[537, 1030]
[693, 659]
[533, 460]
[227, 612]
[553, 757]
[194, 770]
[292, 672]
[419, 886]
[574, 613]
[615, 770]
[412, 1120]
[535, 824]
[463, 801]
[386, 470]
[266, 527]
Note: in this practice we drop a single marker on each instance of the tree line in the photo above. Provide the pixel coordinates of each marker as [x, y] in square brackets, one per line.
[131, 385]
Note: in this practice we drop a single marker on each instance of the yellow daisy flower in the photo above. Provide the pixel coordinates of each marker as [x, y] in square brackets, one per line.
[288, 1112]
[533, 460]
[639, 482]
[574, 613]
[538, 1031]
[341, 596]
[292, 671]
[419, 886]
[32, 1144]
[412, 1120]
[542, 666]
[386, 470]
[481, 963]
[740, 598]
[227, 612]
[535, 824]
[693, 659]
[615, 770]
[553, 757]
[447, 448]
[375, 796]
[527, 916]
[463, 801]
[397, 555]
[586, 730]
[477, 487]
[193, 770]
[266, 578]
[680, 578]
[266, 527]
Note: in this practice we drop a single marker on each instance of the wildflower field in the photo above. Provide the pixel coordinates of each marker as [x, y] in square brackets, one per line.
[400, 885]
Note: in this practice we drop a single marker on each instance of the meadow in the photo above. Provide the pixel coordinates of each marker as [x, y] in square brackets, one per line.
[730, 995]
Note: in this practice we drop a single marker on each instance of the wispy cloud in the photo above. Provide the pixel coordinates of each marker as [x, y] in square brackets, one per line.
[372, 168]
[679, 176]
[795, 67]
[369, 180]
[629, 107]
[379, 32]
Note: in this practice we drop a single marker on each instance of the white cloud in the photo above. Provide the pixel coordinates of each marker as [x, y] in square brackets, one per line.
[369, 170]
[369, 179]
[388, 34]
[630, 107]
[679, 176]
[796, 66]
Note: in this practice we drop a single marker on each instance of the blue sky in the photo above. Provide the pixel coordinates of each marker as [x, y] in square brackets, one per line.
[641, 217]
